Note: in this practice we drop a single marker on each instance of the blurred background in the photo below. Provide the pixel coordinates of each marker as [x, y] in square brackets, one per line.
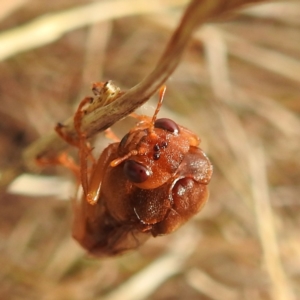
[237, 87]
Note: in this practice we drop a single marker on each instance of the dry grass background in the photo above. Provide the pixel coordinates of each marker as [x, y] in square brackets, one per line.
[237, 86]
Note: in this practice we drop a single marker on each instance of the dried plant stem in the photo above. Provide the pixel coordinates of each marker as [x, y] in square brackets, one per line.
[197, 13]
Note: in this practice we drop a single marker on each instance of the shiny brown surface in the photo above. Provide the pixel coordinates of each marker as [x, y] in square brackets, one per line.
[150, 183]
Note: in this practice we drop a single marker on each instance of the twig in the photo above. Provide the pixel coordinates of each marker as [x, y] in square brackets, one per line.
[197, 13]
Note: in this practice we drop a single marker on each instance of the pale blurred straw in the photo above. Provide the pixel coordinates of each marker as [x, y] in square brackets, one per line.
[230, 159]
[216, 45]
[50, 27]
[208, 286]
[216, 54]
[217, 63]
[55, 186]
[64, 257]
[217, 67]
[144, 283]
[281, 118]
[236, 178]
[278, 11]
[17, 243]
[9, 6]
[268, 59]
[279, 286]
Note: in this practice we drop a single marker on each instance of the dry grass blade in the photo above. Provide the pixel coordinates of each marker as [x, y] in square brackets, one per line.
[48, 28]
[278, 11]
[268, 59]
[208, 286]
[280, 288]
